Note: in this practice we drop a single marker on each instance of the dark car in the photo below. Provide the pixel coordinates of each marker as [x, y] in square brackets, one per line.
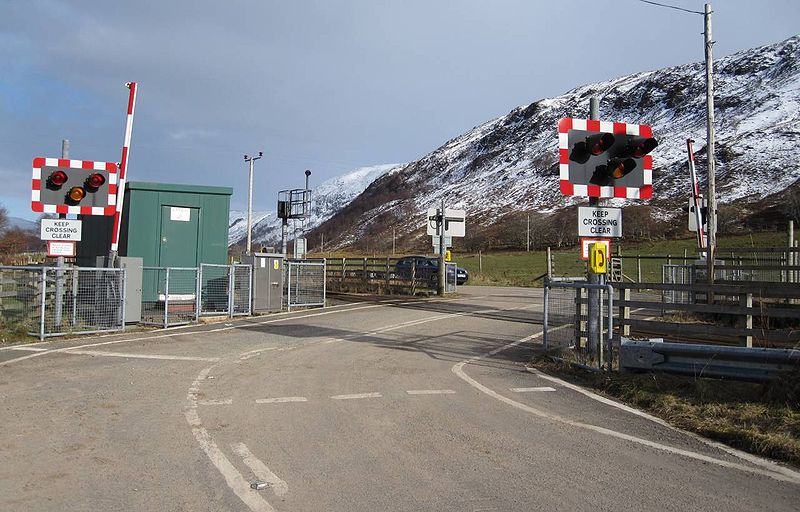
[427, 269]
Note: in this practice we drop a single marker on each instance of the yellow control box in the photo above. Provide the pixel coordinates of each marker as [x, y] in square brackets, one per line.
[448, 256]
[598, 260]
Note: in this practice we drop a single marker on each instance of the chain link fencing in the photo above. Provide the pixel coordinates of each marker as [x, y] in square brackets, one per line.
[305, 284]
[51, 301]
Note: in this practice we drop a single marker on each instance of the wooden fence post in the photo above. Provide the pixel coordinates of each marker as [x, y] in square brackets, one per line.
[624, 313]
[746, 301]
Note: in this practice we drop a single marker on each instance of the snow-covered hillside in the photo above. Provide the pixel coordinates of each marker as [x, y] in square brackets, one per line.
[327, 199]
[510, 164]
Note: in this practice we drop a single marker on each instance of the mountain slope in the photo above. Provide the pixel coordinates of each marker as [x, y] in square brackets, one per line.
[328, 198]
[510, 164]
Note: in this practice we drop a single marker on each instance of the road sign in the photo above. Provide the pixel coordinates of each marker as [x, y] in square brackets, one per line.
[586, 242]
[605, 159]
[693, 217]
[598, 258]
[66, 249]
[81, 187]
[454, 224]
[604, 222]
[448, 242]
[60, 229]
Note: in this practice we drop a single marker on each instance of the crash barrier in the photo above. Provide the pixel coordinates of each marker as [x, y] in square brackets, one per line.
[568, 326]
[757, 364]
[381, 275]
[305, 283]
[55, 301]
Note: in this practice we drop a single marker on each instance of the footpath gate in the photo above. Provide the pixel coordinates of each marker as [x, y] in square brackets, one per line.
[52, 301]
[225, 289]
[304, 283]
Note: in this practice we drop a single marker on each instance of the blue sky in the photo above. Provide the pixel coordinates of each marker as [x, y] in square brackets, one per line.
[323, 85]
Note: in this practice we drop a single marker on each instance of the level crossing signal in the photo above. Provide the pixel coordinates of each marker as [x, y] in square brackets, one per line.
[605, 159]
[80, 187]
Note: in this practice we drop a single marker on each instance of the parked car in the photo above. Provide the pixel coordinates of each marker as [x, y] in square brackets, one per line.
[427, 269]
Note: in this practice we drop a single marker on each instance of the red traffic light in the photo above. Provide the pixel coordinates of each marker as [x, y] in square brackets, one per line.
[640, 146]
[593, 145]
[95, 181]
[57, 179]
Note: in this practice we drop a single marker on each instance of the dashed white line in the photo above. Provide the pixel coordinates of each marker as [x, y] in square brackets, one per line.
[532, 390]
[26, 349]
[281, 400]
[431, 392]
[356, 396]
[228, 401]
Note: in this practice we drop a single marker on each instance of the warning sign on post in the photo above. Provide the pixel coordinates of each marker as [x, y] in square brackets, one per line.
[599, 222]
[61, 230]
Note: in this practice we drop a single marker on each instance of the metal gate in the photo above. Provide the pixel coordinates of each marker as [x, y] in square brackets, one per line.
[225, 289]
[241, 300]
[51, 301]
[305, 283]
[572, 325]
[169, 296]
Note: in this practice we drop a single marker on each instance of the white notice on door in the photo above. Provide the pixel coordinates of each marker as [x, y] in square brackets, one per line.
[180, 214]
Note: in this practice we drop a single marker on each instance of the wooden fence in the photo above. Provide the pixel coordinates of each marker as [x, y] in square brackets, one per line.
[747, 314]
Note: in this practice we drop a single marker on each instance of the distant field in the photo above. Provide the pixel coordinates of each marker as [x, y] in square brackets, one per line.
[521, 268]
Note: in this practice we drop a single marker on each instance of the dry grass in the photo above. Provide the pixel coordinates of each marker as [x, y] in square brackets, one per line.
[763, 419]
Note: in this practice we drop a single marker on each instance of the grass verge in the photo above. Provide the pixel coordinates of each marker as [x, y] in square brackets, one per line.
[762, 419]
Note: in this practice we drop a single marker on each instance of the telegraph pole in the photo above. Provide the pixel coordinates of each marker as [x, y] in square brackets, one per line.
[250, 159]
[712, 198]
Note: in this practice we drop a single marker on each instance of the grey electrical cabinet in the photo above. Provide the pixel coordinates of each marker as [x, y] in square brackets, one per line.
[267, 281]
[133, 288]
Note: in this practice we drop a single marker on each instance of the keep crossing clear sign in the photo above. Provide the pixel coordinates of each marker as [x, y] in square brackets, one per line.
[599, 222]
[61, 230]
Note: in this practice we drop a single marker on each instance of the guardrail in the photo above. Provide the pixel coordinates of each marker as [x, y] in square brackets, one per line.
[757, 364]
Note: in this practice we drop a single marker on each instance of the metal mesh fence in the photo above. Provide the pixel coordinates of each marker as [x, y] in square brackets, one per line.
[574, 328]
[242, 294]
[305, 284]
[214, 285]
[169, 296]
[676, 274]
[49, 301]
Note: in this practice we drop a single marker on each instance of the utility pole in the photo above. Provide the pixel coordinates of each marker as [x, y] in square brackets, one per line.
[593, 308]
[440, 288]
[529, 233]
[712, 198]
[59, 305]
[250, 159]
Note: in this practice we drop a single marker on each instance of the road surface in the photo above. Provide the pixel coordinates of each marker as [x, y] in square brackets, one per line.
[398, 404]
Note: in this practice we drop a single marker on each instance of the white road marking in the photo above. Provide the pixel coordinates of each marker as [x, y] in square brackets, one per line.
[228, 401]
[532, 390]
[26, 348]
[233, 478]
[431, 392]
[260, 470]
[356, 396]
[140, 356]
[768, 464]
[282, 400]
[458, 369]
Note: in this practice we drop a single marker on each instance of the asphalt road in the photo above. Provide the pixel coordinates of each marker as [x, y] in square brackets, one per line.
[394, 405]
